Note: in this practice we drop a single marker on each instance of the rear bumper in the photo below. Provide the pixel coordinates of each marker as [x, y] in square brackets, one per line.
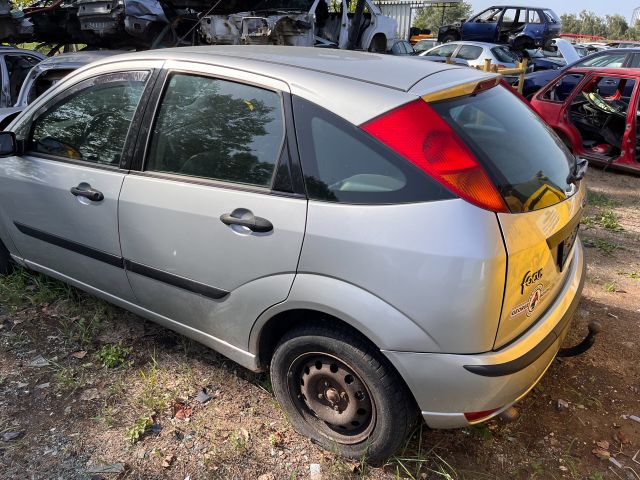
[447, 385]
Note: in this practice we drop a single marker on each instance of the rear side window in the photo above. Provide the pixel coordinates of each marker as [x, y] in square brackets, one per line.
[527, 161]
[217, 129]
[444, 50]
[341, 163]
[606, 60]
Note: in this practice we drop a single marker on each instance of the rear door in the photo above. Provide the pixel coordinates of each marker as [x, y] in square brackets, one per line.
[210, 230]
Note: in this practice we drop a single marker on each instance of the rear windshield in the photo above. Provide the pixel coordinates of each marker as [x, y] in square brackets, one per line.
[503, 54]
[528, 163]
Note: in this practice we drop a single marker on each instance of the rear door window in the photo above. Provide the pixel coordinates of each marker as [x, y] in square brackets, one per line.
[528, 163]
[444, 51]
[18, 66]
[217, 129]
[533, 16]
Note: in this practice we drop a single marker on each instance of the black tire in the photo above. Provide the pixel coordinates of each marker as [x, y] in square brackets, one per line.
[339, 373]
[522, 43]
[449, 37]
[5, 260]
[378, 44]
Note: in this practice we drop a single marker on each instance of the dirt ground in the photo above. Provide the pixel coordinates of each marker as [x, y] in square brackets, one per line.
[170, 408]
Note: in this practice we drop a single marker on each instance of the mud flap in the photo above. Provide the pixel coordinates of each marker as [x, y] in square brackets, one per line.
[585, 344]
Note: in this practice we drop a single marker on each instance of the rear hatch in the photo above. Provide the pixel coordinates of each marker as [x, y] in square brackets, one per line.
[530, 168]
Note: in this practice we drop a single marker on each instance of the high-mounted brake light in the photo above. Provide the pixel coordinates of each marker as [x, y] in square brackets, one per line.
[419, 134]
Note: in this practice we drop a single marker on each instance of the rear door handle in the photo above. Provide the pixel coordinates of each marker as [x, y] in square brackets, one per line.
[255, 224]
[85, 190]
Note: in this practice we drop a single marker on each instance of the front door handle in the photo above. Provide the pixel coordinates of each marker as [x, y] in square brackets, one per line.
[255, 224]
[85, 190]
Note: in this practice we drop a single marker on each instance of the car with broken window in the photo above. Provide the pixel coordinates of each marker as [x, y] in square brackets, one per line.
[595, 112]
[518, 26]
[46, 74]
[613, 58]
[15, 64]
[303, 23]
[391, 238]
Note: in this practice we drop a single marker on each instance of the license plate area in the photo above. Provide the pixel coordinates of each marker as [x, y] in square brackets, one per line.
[564, 247]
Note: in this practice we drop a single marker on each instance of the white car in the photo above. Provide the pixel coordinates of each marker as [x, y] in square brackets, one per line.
[306, 24]
[475, 53]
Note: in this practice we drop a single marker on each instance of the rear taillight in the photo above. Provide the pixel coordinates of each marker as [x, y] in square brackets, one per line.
[419, 134]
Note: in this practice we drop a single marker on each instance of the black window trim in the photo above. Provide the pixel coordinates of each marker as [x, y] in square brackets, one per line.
[541, 94]
[145, 130]
[76, 88]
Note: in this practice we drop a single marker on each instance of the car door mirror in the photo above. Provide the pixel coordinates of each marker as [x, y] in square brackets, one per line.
[8, 144]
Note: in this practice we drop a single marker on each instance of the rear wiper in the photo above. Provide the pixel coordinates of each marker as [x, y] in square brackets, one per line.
[577, 172]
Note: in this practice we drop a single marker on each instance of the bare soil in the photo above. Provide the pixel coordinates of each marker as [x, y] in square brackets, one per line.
[65, 415]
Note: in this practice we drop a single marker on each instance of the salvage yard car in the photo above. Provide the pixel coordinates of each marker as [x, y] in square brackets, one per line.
[614, 58]
[15, 64]
[410, 254]
[46, 74]
[520, 27]
[595, 111]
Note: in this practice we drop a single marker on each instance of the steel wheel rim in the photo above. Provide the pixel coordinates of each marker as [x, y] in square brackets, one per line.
[330, 394]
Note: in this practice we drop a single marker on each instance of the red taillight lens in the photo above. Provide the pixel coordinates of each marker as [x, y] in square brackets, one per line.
[419, 134]
[473, 416]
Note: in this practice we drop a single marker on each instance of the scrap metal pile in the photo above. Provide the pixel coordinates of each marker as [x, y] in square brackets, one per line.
[155, 23]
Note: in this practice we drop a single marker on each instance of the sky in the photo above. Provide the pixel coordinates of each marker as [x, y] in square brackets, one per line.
[600, 7]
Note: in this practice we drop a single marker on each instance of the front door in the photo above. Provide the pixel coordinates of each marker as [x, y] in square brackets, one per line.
[60, 199]
[602, 111]
[208, 242]
[483, 27]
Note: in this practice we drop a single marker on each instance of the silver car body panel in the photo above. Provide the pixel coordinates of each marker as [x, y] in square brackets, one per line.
[442, 264]
[425, 284]
[444, 389]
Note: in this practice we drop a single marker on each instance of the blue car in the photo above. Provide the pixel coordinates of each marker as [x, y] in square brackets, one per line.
[520, 27]
[613, 58]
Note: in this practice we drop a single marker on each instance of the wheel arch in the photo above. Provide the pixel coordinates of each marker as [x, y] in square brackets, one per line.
[316, 298]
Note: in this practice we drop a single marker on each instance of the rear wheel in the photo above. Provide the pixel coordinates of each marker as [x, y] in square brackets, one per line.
[449, 37]
[5, 260]
[341, 392]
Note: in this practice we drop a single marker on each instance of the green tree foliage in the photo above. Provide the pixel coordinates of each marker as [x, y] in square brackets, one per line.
[432, 17]
[614, 27]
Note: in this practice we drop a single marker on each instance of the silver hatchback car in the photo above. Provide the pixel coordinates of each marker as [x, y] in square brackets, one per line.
[387, 236]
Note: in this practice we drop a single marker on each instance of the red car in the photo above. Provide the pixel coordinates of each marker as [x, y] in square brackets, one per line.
[595, 112]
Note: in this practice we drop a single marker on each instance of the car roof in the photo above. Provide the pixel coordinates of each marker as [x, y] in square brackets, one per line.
[10, 49]
[76, 59]
[390, 71]
[632, 72]
[354, 85]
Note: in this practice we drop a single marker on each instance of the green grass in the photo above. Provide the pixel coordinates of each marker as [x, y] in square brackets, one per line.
[605, 246]
[599, 199]
[611, 287]
[136, 431]
[113, 355]
[606, 219]
[23, 289]
[631, 275]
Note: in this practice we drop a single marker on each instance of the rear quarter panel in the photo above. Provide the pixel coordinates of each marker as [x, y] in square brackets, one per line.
[441, 264]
